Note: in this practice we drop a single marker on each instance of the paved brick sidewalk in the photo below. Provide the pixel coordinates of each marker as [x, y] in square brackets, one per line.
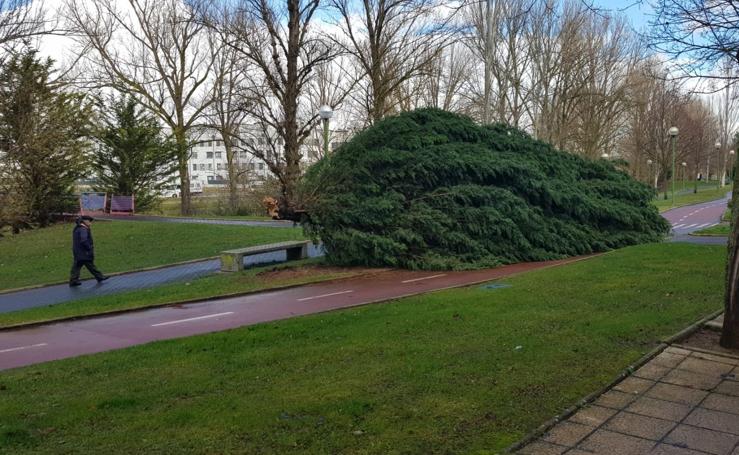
[682, 402]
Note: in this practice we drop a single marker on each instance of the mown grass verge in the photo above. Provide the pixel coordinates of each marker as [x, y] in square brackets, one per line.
[251, 280]
[467, 370]
[45, 255]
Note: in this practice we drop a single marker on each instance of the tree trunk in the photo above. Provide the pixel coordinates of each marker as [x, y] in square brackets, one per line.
[183, 153]
[233, 195]
[730, 332]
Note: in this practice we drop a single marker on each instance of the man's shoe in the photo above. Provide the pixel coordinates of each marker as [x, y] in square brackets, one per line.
[101, 279]
[75, 283]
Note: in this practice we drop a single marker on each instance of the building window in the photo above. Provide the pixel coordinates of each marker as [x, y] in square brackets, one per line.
[218, 155]
[219, 143]
[202, 166]
[209, 144]
[194, 167]
[335, 145]
[209, 155]
[194, 155]
[261, 166]
[219, 167]
[236, 141]
[242, 155]
[210, 166]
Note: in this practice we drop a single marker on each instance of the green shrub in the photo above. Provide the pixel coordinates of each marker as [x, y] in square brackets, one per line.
[432, 190]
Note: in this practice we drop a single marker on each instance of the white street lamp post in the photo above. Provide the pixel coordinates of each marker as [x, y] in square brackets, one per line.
[673, 132]
[325, 112]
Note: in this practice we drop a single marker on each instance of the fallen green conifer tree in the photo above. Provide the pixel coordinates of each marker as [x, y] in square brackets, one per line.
[433, 190]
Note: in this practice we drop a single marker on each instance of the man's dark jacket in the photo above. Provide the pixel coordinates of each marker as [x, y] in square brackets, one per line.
[82, 246]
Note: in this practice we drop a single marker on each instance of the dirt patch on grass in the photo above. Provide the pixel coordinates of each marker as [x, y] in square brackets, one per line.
[708, 339]
[297, 272]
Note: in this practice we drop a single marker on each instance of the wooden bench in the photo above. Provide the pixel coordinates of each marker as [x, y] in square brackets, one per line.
[233, 260]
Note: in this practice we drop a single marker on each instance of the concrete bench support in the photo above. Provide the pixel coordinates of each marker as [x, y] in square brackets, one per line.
[233, 260]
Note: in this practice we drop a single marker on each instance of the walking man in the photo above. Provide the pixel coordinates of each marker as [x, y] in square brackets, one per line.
[84, 252]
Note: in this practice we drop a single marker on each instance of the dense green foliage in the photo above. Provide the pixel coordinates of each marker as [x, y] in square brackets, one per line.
[43, 131]
[134, 157]
[431, 189]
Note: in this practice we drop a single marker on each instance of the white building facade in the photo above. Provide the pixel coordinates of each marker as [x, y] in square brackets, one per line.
[208, 163]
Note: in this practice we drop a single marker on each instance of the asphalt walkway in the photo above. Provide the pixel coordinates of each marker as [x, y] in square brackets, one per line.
[42, 343]
[168, 219]
[51, 295]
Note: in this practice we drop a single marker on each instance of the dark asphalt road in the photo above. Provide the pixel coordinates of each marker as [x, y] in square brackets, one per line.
[692, 218]
[61, 340]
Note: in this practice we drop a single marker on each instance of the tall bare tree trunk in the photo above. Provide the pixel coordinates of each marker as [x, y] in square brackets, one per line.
[730, 332]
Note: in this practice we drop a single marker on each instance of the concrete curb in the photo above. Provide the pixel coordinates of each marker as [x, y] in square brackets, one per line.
[567, 413]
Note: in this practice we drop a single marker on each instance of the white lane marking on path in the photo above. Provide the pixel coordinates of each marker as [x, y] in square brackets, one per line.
[677, 225]
[20, 348]
[690, 226]
[324, 295]
[423, 278]
[207, 316]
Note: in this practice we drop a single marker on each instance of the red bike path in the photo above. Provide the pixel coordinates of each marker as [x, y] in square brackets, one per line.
[53, 341]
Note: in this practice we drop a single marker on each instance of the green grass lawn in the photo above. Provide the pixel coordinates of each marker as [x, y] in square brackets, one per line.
[459, 371]
[719, 230]
[45, 255]
[705, 193]
[251, 280]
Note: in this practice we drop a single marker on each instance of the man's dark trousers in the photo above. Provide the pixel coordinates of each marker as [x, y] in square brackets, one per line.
[77, 266]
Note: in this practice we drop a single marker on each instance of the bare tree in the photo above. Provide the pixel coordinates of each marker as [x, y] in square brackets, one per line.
[276, 38]
[155, 50]
[228, 110]
[446, 79]
[23, 20]
[392, 41]
[703, 33]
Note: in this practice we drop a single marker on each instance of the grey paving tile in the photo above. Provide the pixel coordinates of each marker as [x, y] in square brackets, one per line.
[593, 415]
[652, 371]
[542, 448]
[701, 439]
[634, 385]
[728, 388]
[676, 350]
[615, 399]
[714, 420]
[567, 434]
[665, 449]
[706, 367]
[608, 442]
[676, 394]
[653, 407]
[667, 359]
[720, 402]
[692, 379]
[716, 358]
[641, 426]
